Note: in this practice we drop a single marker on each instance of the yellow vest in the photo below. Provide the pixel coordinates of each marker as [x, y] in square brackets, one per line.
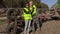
[35, 9]
[27, 16]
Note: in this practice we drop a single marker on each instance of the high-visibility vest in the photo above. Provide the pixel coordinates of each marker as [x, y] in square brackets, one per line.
[26, 15]
[34, 8]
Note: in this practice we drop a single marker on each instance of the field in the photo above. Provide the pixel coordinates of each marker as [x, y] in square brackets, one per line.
[48, 27]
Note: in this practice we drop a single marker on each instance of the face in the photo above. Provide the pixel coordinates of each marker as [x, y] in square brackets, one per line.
[31, 3]
[27, 5]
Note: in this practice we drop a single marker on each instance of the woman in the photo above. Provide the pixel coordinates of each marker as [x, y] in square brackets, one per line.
[27, 18]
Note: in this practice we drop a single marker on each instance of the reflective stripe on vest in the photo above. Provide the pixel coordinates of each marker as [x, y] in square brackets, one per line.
[35, 9]
[26, 9]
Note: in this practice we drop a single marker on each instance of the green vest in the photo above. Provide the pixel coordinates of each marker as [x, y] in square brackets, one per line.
[27, 16]
[34, 8]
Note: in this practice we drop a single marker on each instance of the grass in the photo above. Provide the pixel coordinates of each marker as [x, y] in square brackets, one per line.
[1, 22]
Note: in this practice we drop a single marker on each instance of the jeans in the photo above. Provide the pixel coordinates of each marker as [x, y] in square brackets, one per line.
[27, 26]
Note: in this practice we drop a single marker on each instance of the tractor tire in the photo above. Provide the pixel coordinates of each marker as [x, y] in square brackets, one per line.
[9, 14]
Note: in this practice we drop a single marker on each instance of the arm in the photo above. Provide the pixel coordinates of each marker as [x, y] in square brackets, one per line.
[34, 10]
[26, 11]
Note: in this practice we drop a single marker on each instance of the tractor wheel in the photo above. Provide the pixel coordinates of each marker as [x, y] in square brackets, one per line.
[11, 15]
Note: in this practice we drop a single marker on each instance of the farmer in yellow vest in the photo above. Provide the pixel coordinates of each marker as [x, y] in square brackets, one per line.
[33, 10]
[27, 18]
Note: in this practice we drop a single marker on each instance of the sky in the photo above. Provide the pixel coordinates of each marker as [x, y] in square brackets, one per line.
[50, 3]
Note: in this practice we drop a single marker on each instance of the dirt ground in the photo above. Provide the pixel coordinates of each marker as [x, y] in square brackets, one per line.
[48, 27]
[51, 27]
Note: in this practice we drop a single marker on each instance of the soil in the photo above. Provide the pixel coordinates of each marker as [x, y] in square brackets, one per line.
[48, 27]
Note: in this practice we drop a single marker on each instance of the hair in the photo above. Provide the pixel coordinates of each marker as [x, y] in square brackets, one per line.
[30, 0]
[26, 3]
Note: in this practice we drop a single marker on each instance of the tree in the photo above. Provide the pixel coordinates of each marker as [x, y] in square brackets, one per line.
[20, 3]
[9, 3]
[43, 5]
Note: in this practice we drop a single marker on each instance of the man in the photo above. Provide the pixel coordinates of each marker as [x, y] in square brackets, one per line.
[33, 10]
[27, 18]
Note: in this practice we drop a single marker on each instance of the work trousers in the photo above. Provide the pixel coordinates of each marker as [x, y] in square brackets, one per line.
[35, 20]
